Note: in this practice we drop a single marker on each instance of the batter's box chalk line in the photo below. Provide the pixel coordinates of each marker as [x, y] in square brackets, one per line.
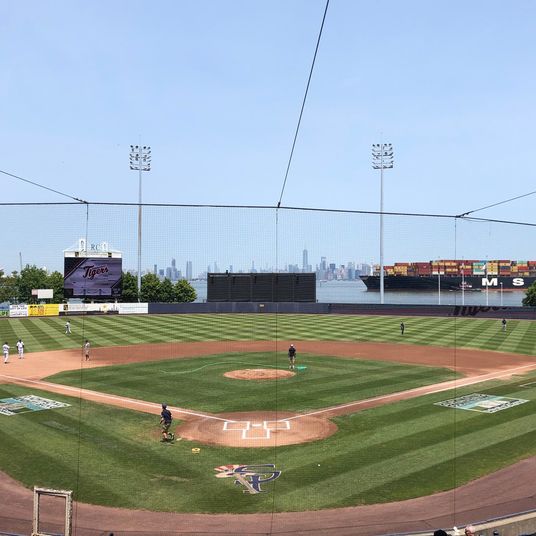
[255, 429]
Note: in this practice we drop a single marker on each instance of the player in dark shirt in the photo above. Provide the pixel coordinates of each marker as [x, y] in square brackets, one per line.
[292, 357]
[165, 420]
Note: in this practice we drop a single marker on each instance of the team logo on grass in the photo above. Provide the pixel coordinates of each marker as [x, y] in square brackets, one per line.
[23, 404]
[249, 476]
[482, 403]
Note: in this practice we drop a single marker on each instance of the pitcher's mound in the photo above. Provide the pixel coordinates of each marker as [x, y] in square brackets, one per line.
[259, 374]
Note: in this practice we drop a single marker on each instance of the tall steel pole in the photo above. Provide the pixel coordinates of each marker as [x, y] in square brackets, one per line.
[140, 160]
[139, 233]
[382, 158]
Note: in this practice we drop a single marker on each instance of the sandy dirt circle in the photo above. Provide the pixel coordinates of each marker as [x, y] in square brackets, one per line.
[256, 429]
[259, 374]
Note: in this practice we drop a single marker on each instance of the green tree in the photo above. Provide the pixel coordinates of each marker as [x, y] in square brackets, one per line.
[530, 296]
[55, 282]
[30, 278]
[150, 288]
[167, 292]
[130, 288]
[8, 286]
[184, 292]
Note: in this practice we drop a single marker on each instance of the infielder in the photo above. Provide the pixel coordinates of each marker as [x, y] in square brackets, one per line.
[20, 348]
[5, 349]
[86, 349]
[292, 357]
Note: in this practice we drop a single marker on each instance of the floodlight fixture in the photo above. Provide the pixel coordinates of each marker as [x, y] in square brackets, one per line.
[382, 158]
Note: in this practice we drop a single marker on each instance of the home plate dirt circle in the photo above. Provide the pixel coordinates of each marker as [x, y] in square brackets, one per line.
[259, 374]
[256, 429]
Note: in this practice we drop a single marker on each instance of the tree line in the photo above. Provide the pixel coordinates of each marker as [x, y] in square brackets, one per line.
[17, 287]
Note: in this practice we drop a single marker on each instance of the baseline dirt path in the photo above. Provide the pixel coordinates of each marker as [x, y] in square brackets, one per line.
[475, 501]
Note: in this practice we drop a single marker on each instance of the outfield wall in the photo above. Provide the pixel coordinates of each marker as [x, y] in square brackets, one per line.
[467, 311]
[527, 313]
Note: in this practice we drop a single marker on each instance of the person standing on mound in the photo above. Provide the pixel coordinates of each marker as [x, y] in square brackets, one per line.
[292, 357]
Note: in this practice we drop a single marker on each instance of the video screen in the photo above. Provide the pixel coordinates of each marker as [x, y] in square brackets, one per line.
[92, 277]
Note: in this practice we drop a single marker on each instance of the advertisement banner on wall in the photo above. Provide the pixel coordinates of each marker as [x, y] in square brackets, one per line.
[44, 309]
[133, 308]
[19, 310]
[81, 308]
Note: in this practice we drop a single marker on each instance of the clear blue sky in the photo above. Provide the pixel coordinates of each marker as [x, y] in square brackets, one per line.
[215, 88]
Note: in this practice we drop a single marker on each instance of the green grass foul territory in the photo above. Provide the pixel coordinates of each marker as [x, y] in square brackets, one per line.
[112, 457]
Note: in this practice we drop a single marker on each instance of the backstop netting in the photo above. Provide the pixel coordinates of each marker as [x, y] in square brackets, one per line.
[402, 409]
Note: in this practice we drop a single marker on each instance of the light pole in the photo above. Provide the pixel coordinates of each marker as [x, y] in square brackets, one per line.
[382, 158]
[439, 286]
[140, 160]
[463, 284]
[501, 294]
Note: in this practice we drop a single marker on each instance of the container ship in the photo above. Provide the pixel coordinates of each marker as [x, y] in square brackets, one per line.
[454, 275]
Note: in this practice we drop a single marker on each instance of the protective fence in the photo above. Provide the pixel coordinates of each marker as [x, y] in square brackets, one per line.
[327, 413]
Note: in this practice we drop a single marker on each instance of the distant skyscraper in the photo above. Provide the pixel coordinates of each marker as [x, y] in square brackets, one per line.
[155, 269]
[305, 263]
[216, 269]
[189, 276]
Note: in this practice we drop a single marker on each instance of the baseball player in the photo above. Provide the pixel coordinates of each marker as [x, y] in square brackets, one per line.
[20, 348]
[86, 350]
[67, 328]
[292, 357]
[165, 420]
[5, 350]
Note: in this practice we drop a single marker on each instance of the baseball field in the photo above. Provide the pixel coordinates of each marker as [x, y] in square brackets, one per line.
[370, 391]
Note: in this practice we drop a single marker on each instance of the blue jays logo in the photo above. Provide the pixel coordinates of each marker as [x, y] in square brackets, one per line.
[249, 476]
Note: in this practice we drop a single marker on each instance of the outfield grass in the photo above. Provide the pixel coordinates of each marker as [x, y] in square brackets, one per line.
[199, 384]
[112, 456]
[48, 333]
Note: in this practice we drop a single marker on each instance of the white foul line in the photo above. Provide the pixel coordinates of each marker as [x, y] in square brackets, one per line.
[445, 386]
[59, 386]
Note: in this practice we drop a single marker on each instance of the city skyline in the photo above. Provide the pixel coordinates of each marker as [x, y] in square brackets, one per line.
[323, 269]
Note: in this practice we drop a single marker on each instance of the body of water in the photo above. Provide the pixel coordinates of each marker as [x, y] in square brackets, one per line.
[356, 292]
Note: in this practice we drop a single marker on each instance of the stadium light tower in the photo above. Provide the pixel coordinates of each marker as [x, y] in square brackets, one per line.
[140, 160]
[382, 158]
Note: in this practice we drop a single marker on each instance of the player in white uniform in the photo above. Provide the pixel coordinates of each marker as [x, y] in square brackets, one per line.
[5, 349]
[20, 348]
[67, 328]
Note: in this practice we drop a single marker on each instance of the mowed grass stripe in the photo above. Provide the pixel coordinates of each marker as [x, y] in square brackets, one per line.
[375, 467]
[115, 330]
